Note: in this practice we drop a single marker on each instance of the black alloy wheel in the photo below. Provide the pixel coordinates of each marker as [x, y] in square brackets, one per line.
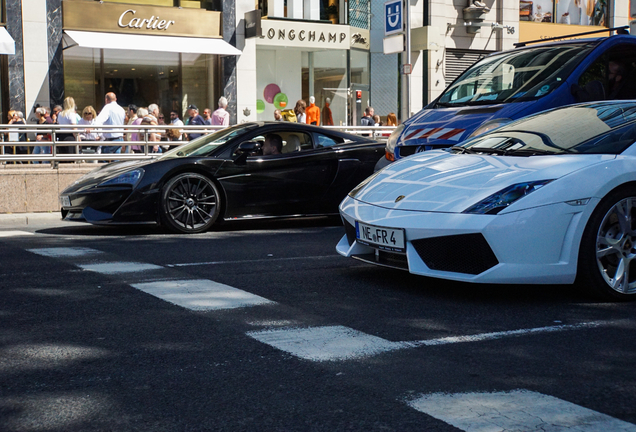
[607, 264]
[189, 203]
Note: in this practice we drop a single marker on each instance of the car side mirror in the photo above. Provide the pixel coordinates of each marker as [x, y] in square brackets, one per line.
[246, 149]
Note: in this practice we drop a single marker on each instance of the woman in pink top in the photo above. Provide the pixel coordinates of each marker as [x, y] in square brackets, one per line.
[141, 113]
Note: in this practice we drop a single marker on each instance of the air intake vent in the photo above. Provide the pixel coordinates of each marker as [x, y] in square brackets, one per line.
[465, 253]
[350, 230]
[404, 151]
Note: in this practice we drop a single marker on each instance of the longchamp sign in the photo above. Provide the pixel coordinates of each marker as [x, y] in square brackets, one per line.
[308, 35]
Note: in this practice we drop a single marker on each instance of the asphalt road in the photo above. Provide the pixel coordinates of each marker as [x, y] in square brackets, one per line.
[264, 327]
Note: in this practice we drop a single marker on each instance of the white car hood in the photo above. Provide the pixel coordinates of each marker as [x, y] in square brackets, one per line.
[439, 181]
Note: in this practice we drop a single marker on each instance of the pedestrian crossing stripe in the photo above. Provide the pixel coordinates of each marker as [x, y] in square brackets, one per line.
[119, 267]
[15, 233]
[517, 410]
[325, 343]
[334, 343]
[201, 295]
[62, 252]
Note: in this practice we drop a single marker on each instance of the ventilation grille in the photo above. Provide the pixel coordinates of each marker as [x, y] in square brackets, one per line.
[465, 253]
[457, 61]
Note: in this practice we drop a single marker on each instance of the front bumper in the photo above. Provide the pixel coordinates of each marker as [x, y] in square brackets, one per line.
[533, 246]
[112, 205]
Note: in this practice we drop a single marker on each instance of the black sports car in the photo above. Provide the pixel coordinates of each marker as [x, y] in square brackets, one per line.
[225, 175]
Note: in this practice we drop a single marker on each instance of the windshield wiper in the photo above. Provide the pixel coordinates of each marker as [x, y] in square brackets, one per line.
[462, 150]
[530, 152]
[497, 151]
[446, 105]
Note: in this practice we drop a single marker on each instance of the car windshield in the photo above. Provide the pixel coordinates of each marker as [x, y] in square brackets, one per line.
[515, 76]
[205, 145]
[599, 128]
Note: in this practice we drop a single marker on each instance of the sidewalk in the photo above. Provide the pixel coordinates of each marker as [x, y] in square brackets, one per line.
[13, 219]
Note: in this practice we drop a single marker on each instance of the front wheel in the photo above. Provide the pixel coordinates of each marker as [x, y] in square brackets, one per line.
[607, 262]
[189, 203]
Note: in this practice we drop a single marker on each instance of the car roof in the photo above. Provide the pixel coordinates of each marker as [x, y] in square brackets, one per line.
[310, 128]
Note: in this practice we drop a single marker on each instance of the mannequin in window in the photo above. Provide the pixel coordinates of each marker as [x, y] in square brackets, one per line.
[327, 118]
[313, 112]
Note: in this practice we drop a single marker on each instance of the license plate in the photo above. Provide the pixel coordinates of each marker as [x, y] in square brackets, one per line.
[388, 239]
[65, 201]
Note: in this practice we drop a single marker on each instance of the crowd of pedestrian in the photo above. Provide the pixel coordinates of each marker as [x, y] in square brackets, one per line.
[301, 113]
[82, 125]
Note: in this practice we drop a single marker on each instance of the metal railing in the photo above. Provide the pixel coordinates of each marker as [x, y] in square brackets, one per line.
[14, 151]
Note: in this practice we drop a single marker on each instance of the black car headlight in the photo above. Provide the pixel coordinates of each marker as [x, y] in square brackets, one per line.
[391, 142]
[128, 178]
[505, 197]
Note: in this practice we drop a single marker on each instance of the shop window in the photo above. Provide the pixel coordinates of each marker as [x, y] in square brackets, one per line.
[171, 80]
[329, 10]
[578, 12]
[168, 3]
[329, 82]
[359, 13]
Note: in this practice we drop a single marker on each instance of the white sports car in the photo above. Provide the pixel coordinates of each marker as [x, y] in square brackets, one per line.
[548, 199]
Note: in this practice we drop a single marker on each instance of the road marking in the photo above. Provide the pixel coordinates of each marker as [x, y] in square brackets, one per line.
[343, 343]
[253, 261]
[14, 233]
[119, 267]
[325, 343]
[508, 333]
[201, 294]
[58, 252]
[519, 410]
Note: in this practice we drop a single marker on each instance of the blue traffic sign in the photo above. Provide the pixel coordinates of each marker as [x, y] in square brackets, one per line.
[393, 17]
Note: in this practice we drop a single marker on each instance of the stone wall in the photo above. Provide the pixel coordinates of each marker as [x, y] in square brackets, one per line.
[33, 188]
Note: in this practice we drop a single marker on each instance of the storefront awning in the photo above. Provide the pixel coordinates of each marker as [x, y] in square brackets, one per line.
[7, 45]
[120, 41]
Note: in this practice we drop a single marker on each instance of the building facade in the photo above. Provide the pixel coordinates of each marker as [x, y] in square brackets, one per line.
[446, 38]
[264, 55]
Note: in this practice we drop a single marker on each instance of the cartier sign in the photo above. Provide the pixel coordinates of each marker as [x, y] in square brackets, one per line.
[127, 19]
[140, 19]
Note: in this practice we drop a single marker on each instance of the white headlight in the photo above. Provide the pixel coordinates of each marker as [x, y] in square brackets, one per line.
[489, 125]
[392, 141]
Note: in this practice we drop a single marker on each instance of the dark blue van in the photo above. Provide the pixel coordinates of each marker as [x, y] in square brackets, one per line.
[512, 84]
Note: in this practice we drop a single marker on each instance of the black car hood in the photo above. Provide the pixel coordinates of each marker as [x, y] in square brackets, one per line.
[105, 173]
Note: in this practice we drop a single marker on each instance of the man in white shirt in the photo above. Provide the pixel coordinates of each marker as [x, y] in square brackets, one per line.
[111, 114]
[176, 121]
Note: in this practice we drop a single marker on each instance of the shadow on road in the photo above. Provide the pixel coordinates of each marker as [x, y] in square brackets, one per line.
[84, 229]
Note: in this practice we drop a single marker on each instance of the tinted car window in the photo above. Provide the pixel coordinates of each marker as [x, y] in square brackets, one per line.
[206, 144]
[515, 76]
[324, 141]
[589, 128]
[293, 141]
[611, 76]
[614, 142]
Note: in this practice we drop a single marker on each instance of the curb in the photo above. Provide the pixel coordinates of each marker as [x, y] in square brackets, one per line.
[28, 218]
